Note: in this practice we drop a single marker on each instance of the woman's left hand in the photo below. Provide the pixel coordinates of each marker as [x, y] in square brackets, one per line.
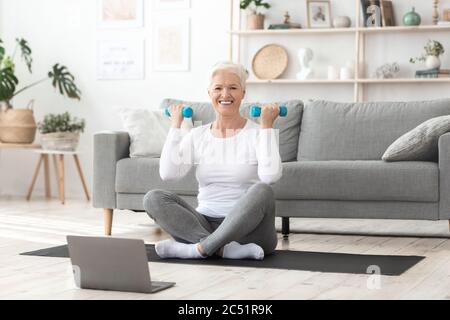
[269, 113]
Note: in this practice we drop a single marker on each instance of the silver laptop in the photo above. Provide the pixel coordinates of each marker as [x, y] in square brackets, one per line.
[108, 263]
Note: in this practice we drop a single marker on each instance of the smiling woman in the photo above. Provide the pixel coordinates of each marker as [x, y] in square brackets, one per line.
[236, 159]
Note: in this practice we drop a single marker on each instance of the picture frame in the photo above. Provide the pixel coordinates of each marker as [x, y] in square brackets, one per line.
[120, 14]
[171, 4]
[121, 59]
[318, 13]
[171, 43]
[387, 13]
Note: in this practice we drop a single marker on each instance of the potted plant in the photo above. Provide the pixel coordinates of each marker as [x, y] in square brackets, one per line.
[255, 19]
[18, 125]
[433, 50]
[60, 131]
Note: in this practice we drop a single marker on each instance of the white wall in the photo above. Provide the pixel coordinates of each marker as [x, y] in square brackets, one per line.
[65, 31]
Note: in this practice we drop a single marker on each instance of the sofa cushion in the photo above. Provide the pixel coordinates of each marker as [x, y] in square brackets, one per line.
[360, 131]
[148, 130]
[421, 143]
[140, 175]
[359, 180]
[289, 126]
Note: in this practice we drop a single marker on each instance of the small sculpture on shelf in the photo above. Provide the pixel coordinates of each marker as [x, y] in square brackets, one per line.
[305, 56]
[371, 13]
[287, 24]
[387, 71]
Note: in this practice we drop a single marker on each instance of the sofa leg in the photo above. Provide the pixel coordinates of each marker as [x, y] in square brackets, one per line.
[448, 225]
[285, 227]
[108, 219]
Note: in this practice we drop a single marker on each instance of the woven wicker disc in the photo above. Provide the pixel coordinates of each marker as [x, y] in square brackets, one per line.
[270, 62]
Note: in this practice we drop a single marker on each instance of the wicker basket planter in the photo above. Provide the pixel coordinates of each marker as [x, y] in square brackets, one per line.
[17, 126]
[60, 141]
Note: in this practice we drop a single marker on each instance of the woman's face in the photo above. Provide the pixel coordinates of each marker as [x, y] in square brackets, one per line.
[226, 92]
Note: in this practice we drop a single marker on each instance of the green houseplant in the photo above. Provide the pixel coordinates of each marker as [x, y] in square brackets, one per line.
[60, 131]
[18, 125]
[255, 19]
[433, 49]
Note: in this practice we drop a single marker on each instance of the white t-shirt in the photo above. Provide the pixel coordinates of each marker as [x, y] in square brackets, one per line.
[226, 167]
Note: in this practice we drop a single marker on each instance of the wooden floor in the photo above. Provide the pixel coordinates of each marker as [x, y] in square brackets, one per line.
[26, 226]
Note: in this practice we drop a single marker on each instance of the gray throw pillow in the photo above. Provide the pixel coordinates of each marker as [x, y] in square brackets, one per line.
[419, 144]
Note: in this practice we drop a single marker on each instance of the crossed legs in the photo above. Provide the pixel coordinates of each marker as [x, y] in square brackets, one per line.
[251, 222]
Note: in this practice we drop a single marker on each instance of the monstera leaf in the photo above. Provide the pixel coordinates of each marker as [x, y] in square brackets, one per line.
[26, 52]
[2, 52]
[8, 82]
[63, 80]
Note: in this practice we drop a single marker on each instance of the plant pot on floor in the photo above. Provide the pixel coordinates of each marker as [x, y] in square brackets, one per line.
[60, 141]
[17, 126]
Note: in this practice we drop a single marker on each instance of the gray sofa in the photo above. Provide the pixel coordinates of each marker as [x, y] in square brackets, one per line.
[332, 165]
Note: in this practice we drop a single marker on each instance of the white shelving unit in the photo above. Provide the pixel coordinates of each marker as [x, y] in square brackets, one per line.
[360, 80]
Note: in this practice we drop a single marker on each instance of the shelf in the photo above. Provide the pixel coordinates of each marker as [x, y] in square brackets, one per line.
[395, 29]
[351, 81]
[404, 80]
[358, 34]
[292, 31]
[295, 81]
[342, 30]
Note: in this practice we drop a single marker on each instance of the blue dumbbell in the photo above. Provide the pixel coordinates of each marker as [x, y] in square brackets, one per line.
[187, 112]
[256, 111]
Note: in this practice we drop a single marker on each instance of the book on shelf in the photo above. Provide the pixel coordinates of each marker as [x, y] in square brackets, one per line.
[433, 73]
[387, 13]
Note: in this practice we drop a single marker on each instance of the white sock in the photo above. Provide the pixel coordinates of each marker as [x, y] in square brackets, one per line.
[172, 249]
[235, 250]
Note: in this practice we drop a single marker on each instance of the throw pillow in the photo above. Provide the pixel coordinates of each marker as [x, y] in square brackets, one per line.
[148, 130]
[421, 143]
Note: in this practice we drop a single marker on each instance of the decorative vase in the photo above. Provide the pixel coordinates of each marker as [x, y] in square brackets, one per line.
[255, 21]
[411, 18]
[433, 62]
[342, 22]
[17, 126]
[60, 141]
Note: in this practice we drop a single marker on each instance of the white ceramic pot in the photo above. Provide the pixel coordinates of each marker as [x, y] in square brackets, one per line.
[432, 62]
[342, 22]
[60, 141]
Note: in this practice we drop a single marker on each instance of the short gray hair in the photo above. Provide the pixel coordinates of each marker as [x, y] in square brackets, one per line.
[236, 68]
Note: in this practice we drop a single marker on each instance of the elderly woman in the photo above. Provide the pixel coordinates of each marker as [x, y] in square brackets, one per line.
[236, 161]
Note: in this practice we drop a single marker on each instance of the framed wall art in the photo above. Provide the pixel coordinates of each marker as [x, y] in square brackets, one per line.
[120, 59]
[318, 13]
[120, 13]
[171, 43]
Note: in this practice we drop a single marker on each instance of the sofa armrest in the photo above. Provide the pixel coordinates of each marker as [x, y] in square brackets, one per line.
[444, 176]
[109, 147]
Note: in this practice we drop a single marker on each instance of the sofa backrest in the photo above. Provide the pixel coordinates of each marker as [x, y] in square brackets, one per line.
[360, 131]
[289, 126]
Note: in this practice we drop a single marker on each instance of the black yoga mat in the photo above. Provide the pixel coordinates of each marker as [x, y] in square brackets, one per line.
[286, 259]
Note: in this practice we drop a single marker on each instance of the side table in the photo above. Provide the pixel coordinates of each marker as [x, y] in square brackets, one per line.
[58, 161]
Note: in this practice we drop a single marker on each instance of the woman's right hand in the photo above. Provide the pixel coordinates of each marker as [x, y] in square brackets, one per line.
[176, 115]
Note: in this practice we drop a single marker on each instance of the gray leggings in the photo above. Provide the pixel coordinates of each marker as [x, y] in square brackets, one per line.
[252, 220]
